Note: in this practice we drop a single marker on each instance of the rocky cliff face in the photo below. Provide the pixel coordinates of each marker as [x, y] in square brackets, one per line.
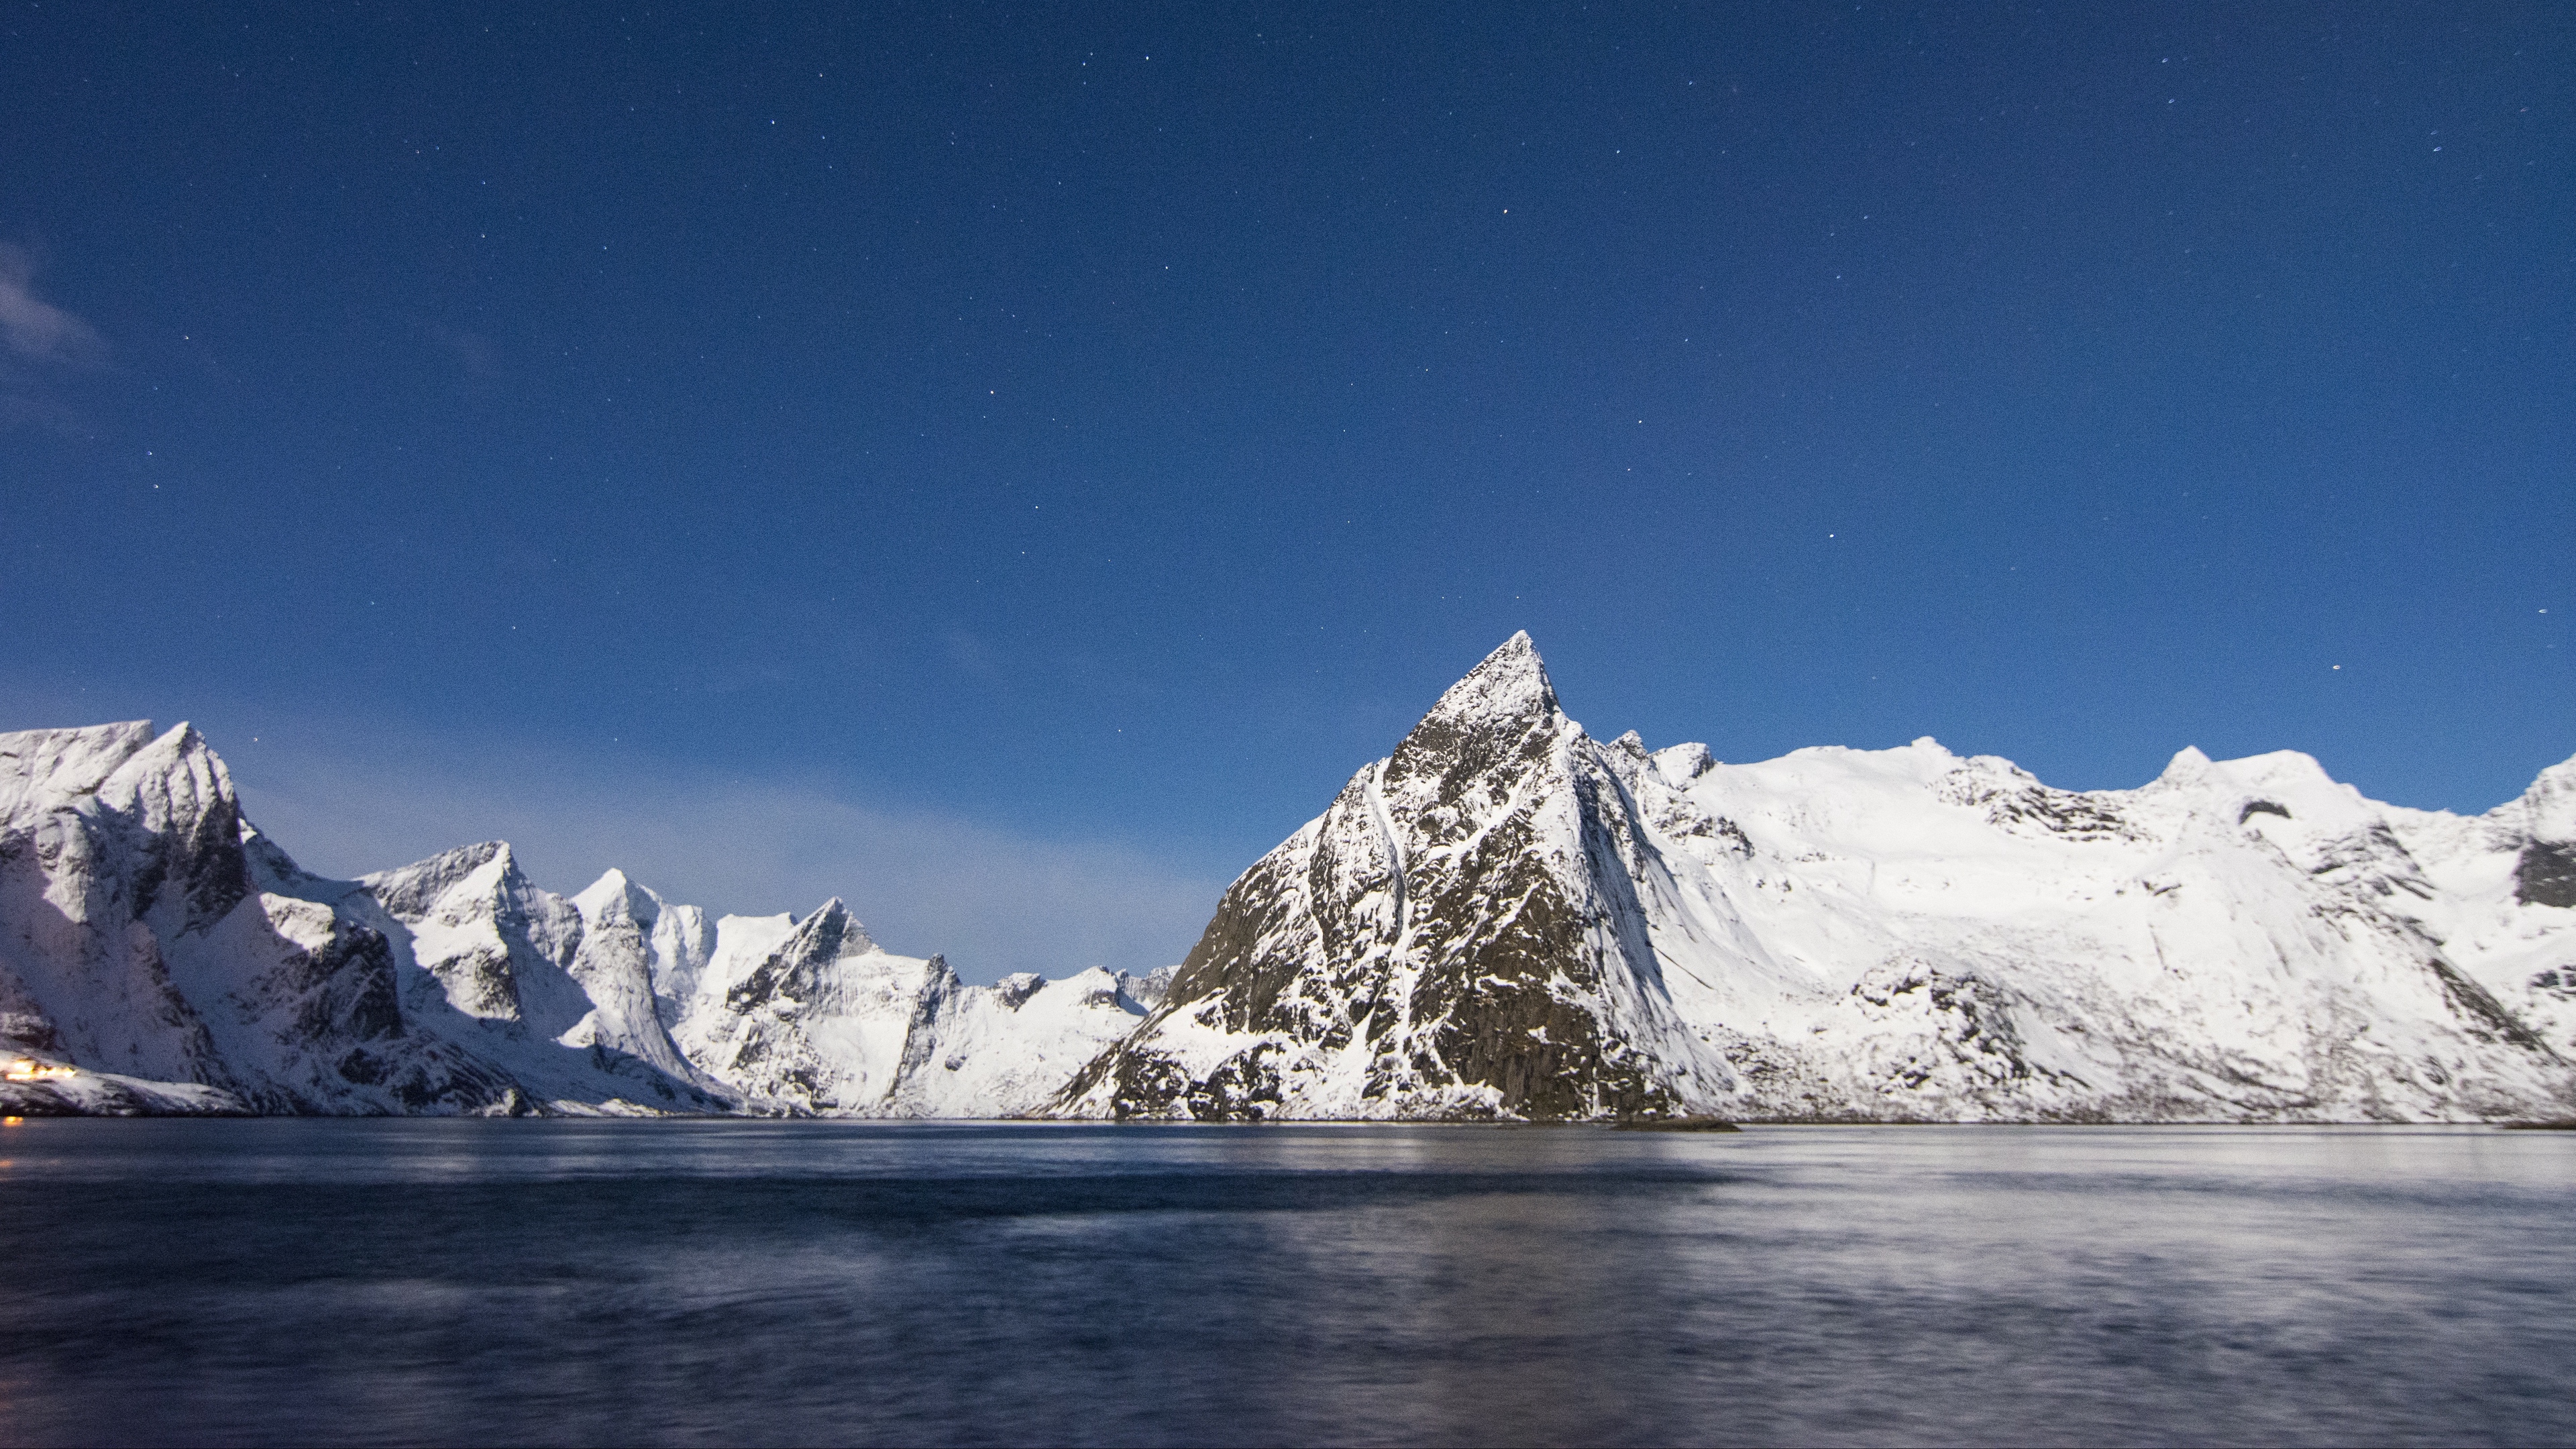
[1509, 918]
[158, 954]
[1505, 918]
[1461, 934]
[148, 933]
[829, 1021]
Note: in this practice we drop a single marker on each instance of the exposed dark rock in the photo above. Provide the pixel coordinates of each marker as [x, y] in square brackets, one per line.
[2545, 874]
[2482, 1011]
[1455, 916]
[794, 970]
[409, 893]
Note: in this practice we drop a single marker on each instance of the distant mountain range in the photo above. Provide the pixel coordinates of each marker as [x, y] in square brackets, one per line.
[1505, 918]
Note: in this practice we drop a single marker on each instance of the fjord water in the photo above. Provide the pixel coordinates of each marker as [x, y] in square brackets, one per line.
[409, 1281]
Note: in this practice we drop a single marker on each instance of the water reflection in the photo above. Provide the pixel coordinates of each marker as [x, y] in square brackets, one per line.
[676, 1282]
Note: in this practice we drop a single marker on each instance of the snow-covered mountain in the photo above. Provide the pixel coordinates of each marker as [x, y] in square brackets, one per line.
[158, 954]
[1504, 918]
[1507, 917]
[818, 1018]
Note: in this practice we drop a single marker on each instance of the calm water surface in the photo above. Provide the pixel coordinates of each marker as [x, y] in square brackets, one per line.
[674, 1282]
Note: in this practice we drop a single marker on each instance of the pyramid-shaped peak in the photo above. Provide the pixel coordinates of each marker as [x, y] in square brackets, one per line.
[833, 931]
[1483, 723]
[1512, 682]
[175, 750]
[613, 890]
[1517, 652]
[410, 891]
[2187, 764]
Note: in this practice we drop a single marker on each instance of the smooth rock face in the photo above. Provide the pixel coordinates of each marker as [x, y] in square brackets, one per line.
[1507, 917]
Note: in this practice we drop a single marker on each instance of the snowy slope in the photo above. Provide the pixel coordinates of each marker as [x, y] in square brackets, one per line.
[1508, 917]
[2499, 892]
[828, 1021]
[147, 932]
[2232, 941]
[158, 954]
[1504, 918]
[1462, 934]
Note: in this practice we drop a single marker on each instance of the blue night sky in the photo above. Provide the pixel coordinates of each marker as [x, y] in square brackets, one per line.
[1008, 465]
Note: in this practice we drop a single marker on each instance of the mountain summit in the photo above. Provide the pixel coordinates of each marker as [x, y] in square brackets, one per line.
[1505, 918]
[159, 954]
[1454, 937]
[1509, 918]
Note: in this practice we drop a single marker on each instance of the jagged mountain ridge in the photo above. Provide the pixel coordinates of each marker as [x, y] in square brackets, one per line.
[1504, 918]
[176, 960]
[1456, 935]
[1508, 918]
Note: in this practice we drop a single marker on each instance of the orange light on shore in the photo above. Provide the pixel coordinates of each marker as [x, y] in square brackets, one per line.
[28, 1069]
